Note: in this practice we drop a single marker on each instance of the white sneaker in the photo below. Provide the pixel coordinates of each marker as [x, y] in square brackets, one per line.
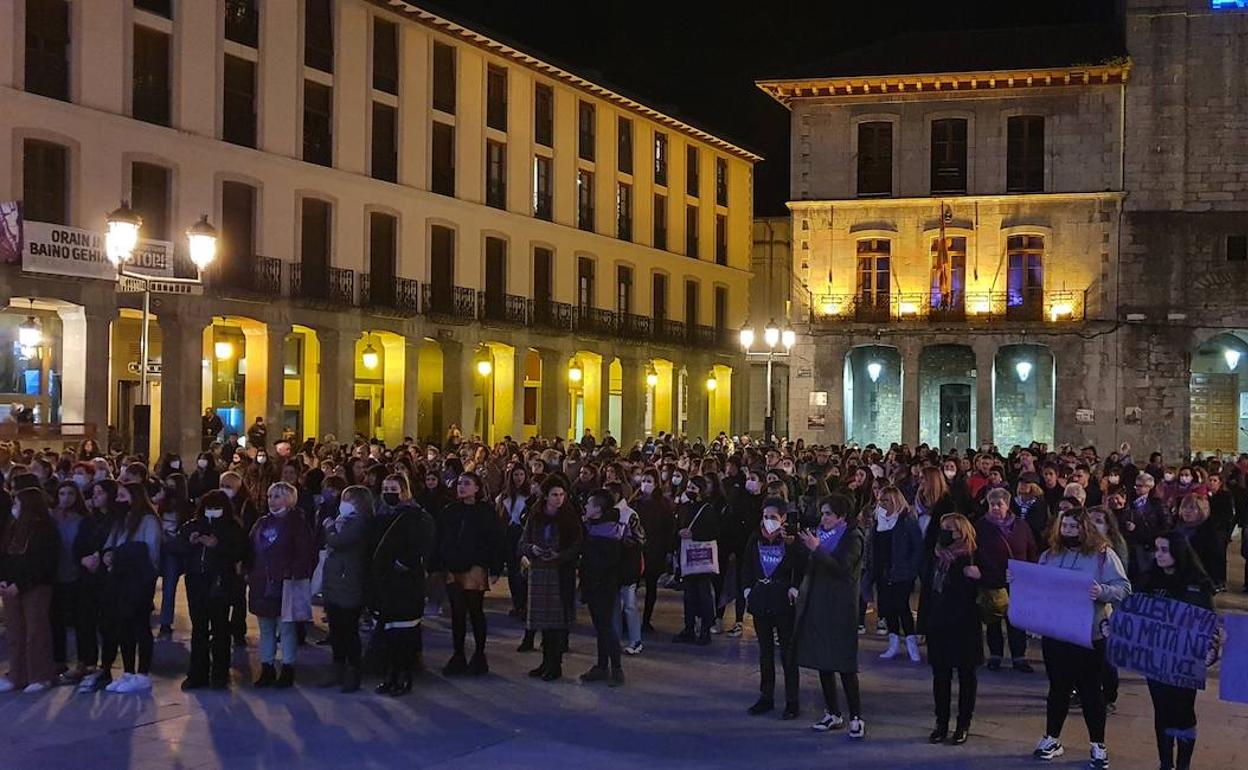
[87, 684]
[36, 687]
[857, 729]
[1099, 759]
[136, 683]
[894, 647]
[735, 630]
[881, 628]
[829, 722]
[717, 627]
[912, 649]
[1048, 749]
[6, 684]
[119, 683]
[633, 649]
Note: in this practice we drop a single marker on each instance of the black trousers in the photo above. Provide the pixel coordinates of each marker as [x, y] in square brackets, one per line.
[699, 601]
[767, 628]
[1109, 683]
[134, 639]
[1174, 720]
[402, 647]
[853, 697]
[652, 594]
[517, 581]
[1071, 667]
[238, 612]
[73, 607]
[210, 638]
[894, 601]
[467, 606]
[996, 641]
[942, 691]
[602, 603]
[344, 633]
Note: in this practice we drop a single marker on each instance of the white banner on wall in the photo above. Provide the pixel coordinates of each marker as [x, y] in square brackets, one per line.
[61, 250]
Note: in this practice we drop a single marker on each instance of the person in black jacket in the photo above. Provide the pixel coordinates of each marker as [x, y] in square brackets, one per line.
[402, 545]
[212, 545]
[954, 633]
[741, 516]
[602, 552]
[659, 524]
[204, 478]
[699, 521]
[28, 560]
[771, 570]
[470, 550]
[245, 512]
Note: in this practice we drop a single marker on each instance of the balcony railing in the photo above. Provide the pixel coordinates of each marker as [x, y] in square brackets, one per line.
[503, 308]
[457, 303]
[548, 314]
[596, 321]
[1058, 306]
[247, 275]
[635, 327]
[669, 331]
[394, 294]
[335, 285]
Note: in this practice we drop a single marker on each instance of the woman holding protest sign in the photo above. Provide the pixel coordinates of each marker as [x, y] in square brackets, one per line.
[1179, 576]
[1075, 544]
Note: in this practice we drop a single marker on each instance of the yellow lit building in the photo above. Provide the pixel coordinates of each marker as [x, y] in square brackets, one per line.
[420, 227]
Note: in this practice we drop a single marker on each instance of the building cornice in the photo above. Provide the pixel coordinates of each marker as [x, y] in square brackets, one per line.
[454, 29]
[932, 200]
[786, 91]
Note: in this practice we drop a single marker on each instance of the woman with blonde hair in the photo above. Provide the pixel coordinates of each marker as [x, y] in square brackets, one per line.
[895, 544]
[954, 634]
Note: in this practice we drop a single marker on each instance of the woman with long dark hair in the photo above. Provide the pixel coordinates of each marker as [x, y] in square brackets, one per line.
[659, 524]
[28, 567]
[212, 544]
[512, 505]
[131, 556]
[174, 508]
[470, 550]
[550, 545]
[69, 610]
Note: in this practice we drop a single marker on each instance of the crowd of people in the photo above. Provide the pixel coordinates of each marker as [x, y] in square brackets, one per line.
[805, 540]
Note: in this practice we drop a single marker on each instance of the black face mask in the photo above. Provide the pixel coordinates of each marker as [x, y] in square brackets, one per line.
[946, 538]
[1070, 541]
[390, 498]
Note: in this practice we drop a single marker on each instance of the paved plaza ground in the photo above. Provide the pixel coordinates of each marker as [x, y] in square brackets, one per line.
[682, 707]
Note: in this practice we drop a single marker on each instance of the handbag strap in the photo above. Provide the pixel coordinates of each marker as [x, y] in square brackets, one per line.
[696, 515]
[398, 515]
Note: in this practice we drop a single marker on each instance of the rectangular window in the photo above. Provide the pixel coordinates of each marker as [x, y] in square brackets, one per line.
[47, 48]
[237, 242]
[585, 200]
[150, 95]
[660, 222]
[495, 174]
[314, 244]
[385, 56]
[158, 7]
[495, 300]
[543, 274]
[658, 297]
[1237, 248]
[318, 34]
[624, 145]
[45, 182]
[660, 158]
[383, 232]
[691, 231]
[1025, 274]
[874, 273]
[721, 308]
[444, 78]
[691, 304]
[624, 211]
[238, 104]
[585, 282]
[949, 156]
[318, 123]
[691, 171]
[543, 204]
[385, 143]
[442, 263]
[1024, 162]
[149, 196]
[496, 98]
[721, 239]
[949, 274]
[443, 181]
[721, 182]
[544, 115]
[875, 158]
[585, 130]
[624, 289]
[242, 22]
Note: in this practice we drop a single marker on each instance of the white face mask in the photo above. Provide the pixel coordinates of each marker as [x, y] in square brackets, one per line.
[214, 513]
[1112, 479]
[100, 475]
[676, 479]
[950, 474]
[751, 486]
[1169, 477]
[261, 459]
[175, 464]
[229, 492]
[647, 487]
[770, 526]
[202, 462]
[346, 509]
[81, 481]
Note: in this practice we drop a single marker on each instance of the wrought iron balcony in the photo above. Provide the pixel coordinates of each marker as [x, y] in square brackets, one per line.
[548, 314]
[313, 283]
[457, 303]
[503, 308]
[635, 327]
[247, 275]
[671, 332]
[395, 294]
[1059, 306]
[596, 321]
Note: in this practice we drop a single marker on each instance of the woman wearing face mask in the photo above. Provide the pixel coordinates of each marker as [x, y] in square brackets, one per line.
[70, 609]
[771, 571]
[896, 546]
[1197, 528]
[28, 570]
[1077, 546]
[343, 526]
[659, 523]
[954, 635]
[1000, 536]
[102, 503]
[204, 478]
[827, 606]
[1178, 576]
[399, 552]
[212, 544]
[1029, 504]
[174, 508]
[740, 519]
[512, 505]
[550, 545]
[470, 549]
[698, 520]
[131, 556]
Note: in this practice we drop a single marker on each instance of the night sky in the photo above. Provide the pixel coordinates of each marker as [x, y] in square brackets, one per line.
[702, 68]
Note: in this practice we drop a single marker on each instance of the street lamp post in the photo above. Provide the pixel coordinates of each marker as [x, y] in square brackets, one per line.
[772, 336]
[120, 241]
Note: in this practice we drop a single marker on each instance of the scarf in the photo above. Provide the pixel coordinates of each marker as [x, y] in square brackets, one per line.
[884, 522]
[831, 538]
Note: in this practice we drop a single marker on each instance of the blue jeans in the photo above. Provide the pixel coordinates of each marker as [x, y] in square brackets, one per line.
[627, 610]
[171, 569]
[270, 630]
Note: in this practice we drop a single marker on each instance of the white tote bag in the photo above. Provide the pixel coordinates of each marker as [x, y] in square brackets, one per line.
[698, 557]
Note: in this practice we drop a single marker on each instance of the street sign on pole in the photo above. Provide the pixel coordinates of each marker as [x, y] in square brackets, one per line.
[129, 285]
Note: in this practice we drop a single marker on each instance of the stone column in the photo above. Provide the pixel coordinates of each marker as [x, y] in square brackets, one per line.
[275, 379]
[517, 393]
[555, 417]
[337, 383]
[411, 387]
[632, 401]
[98, 380]
[910, 350]
[695, 382]
[677, 430]
[985, 356]
[181, 360]
[740, 423]
[604, 397]
[458, 387]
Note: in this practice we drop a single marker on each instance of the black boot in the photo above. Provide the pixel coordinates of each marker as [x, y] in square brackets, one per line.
[939, 734]
[554, 663]
[1165, 750]
[350, 679]
[268, 675]
[286, 678]
[1187, 747]
[402, 685]
[456, 666]
[478, 665]
[960, 734]
[526, 644]
[389, 683]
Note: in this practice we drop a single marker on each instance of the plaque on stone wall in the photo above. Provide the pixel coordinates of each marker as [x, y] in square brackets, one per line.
[817, 421]
[804, 371]
[1133, 415]
[819, 398]
[1085, 416]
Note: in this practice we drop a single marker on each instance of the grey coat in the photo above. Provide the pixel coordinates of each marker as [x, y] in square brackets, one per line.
[826, 630]
[343, 584]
